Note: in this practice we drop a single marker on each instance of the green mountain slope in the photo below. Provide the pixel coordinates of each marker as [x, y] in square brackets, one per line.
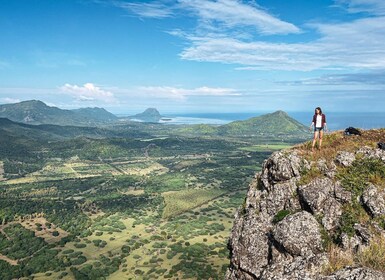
[37, 112]
[278, 123]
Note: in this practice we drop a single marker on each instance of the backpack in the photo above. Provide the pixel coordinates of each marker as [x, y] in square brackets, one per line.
[381, 145]
[352, 131]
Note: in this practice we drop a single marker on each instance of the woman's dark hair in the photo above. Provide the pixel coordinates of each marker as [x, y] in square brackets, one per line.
[320, 110]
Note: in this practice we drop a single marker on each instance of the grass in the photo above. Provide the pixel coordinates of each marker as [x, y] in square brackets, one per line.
[45, 232]
[177, 202]
[374, 255]
[356, 177]
[309, 175]
[281, 215]
[338, 259]
[265, 147]
[336, 141]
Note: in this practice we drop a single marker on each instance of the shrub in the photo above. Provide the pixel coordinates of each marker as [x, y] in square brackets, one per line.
[280, 216]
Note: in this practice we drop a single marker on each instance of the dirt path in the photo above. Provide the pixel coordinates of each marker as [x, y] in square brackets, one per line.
[8, 260]
[1, 171]
[3, 232]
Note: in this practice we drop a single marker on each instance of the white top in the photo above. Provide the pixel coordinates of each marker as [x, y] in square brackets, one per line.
[318, 121]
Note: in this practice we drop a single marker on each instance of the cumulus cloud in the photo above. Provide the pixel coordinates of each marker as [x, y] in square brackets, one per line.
[182, 93]
[89, 92]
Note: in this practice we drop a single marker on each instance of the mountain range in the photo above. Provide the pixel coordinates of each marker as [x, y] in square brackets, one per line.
[97, 122]
[37, 112]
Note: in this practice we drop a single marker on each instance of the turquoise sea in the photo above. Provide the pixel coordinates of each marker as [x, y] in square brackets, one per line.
[335, 120]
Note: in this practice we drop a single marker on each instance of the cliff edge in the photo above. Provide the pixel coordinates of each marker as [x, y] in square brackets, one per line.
[314, 215]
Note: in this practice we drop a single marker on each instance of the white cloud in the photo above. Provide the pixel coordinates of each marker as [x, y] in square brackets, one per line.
[358, 44]
[234, 13]
[146, 10]
[375, 79]
[182, 93]
[89, 92]
[376, 7]
[213, 15]
[6, 100]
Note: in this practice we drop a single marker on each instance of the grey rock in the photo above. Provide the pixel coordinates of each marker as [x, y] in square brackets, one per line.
[350, 243]
[281, 166]
[355, 273]
[345, 158]
[292, 248]
[370, 153]
[328, 169]
[298, 234]
[315, 193]
[342, 195]
[297, 268]
[363, 233]
[249, 245]
[281, 196]
[374, 201]
[332, 211]
[318, 197]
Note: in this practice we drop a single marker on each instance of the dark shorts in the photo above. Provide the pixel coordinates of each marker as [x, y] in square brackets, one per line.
[318, 129]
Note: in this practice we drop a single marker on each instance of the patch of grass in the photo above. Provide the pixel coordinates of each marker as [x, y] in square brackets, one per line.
[326, 240]
[374, 255]
[356, 177]
[308, 175]
[352, 213]
[336, 141]
[181, 201]
[338, 259]
[265, 147]
[281, 215]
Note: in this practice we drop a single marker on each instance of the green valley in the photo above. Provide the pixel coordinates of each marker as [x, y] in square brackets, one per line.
[123, 201]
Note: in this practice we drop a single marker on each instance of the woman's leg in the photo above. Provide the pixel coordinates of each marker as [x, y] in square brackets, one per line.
[321, 133]
[314, 139]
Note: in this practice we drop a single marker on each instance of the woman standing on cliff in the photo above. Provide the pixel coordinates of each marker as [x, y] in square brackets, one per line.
[319, 124]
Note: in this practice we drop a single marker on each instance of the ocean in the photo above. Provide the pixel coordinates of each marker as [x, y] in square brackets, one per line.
[334, 120]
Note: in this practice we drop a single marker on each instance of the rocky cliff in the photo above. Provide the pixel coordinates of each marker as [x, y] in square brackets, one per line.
[314, 215]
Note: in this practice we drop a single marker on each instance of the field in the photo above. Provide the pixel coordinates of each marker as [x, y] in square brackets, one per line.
[155, 209]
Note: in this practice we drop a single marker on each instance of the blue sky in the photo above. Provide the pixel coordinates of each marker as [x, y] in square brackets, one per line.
[194, 55]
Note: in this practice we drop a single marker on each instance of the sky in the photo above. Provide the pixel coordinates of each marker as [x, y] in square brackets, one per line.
[194, 56]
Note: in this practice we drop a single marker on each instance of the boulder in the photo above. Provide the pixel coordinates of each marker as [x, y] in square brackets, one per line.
[345, 158]
[374, 201]
[370, 153]
[298, 234]
[318, 198]
[281, 166]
